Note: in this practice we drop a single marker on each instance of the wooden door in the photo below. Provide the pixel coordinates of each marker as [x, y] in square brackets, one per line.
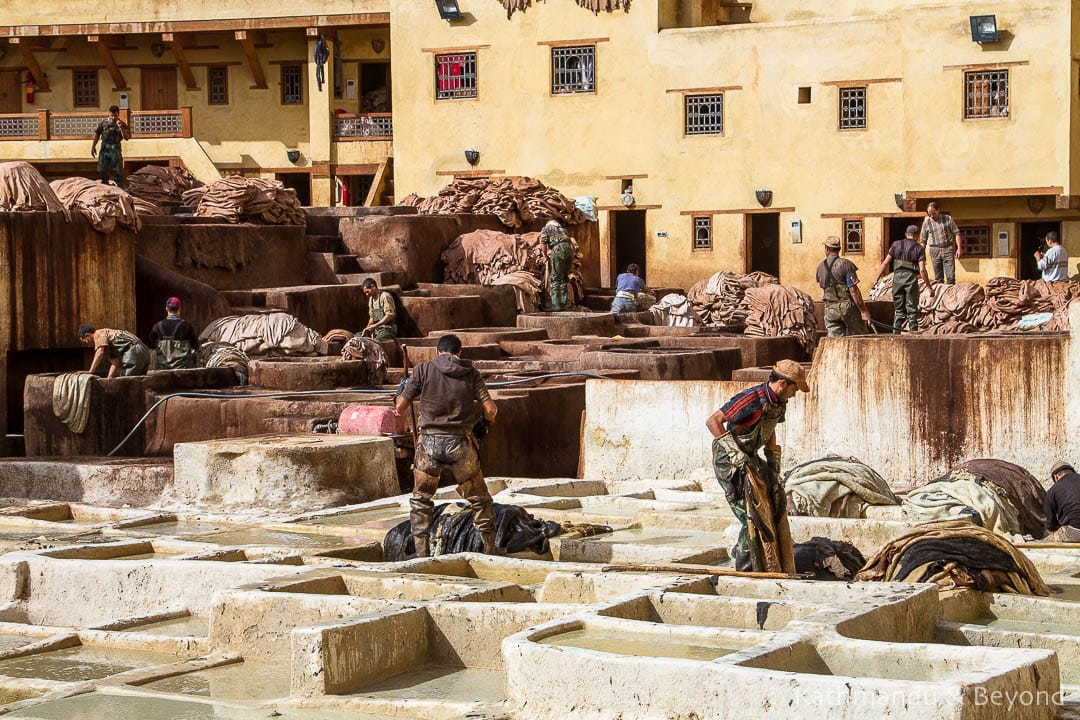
[159, 88]
[11, 91]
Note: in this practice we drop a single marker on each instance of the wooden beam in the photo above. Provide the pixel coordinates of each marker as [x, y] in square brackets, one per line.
[287, 22]
[378, 183]
[105, 53]
[177, 48]
[38, 74]
[252, 56]
[981, 193]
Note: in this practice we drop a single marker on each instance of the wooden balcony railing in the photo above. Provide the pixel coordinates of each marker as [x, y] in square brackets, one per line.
[46, 125]
[367, 126]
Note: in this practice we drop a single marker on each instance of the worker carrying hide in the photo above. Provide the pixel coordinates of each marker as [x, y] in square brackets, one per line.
[449, 390]
[744, 426]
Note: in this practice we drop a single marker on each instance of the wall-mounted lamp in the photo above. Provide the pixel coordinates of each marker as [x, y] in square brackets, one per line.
[1036, 204]
[764, 197]
[472, 156]
[984, 28]
[448, 9]
[898, 198]
[157, 49]
[293, 155]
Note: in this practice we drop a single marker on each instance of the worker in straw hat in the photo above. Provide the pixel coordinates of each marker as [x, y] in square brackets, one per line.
[742, 428]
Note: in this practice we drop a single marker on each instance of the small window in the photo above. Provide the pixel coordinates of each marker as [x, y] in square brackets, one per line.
[217, 86]
[987, 94]
[703, 232]
[85, 83]
[975, 240]
[853, 237]
[455, 76]
[292, 84]
[804, 95]
[573, 69]
[852, 108]
[705, 114]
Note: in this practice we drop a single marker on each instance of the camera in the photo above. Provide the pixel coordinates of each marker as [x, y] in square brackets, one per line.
[1042, 247]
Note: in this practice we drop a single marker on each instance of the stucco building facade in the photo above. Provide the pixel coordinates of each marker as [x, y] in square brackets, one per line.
[849, 116]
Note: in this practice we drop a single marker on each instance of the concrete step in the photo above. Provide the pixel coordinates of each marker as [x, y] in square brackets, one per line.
[319, 269]
[244, 298]
[345, 263]
[383, 279]
[324, 243]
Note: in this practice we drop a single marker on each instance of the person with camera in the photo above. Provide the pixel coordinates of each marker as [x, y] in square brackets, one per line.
[1053, 262]
[111, 132]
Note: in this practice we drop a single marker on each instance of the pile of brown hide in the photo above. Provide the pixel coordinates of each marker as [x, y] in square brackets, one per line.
[23, 189]
[161, 185]
[104, 206]
[969, 308]
[240, 199]
[718, 301]
[781, 311]
[514, 200]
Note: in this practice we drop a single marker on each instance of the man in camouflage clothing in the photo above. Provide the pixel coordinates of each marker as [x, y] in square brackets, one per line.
[560, 263]
[111, 132]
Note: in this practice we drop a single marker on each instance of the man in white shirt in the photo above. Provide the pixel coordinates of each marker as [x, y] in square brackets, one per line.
[1054, 264]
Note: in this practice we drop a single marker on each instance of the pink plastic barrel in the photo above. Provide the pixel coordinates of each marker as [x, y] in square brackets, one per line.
[369, 420]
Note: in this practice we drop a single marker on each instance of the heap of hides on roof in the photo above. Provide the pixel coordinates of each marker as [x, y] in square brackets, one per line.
[161, 185]
[274, 333]
[835, 486]
[452, 531]
[104, 206]
[242, 199]
[24, 189]
[718, 301]
[515, 201]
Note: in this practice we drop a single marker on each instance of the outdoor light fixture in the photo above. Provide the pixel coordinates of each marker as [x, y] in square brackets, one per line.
[984, 28]
[764, 197]
[472, 156]
[898, 198]
[448, 9]
[293, 155]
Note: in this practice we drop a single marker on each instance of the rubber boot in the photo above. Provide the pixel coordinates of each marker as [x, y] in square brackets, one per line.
[490, 548]
[422, 507]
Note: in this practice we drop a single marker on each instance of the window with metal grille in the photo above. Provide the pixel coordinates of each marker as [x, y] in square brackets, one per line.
[217, 86]
[455, 76]
[852, 108]
[986, 93]
[853, 236]
[573, 69]
[703, 232]
[705, 114]
[975, 240]
[292, 84]
[86, 88]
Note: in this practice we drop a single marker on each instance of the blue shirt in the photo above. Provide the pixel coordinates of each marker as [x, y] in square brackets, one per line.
[628, 282]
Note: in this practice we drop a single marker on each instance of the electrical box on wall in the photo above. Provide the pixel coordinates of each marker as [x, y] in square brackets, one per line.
[350, 89]
[1003, 243]
[796, 232]
[123, 103]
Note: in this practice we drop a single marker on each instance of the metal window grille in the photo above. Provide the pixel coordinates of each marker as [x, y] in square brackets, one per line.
[364, 126]
[975, 240]
[704, 114]
[73, 125]
[573, 69]
[19, 126]
[852, 108]
[703, 233]
[455, 76]
[853, 236]
[217, 81]
[986, 93]
[85, 83]
[292, 85]
[163, 122]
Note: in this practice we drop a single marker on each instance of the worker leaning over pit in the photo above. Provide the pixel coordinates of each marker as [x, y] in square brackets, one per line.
[845, 311]
[450, 390]
[125, 353]
[741, 429]
[1062, 505]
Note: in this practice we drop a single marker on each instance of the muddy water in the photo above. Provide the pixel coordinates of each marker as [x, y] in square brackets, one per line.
[660, 537]
[360, 517]
[434, 682]
[1064, 591]
[10, 642]
[178, 627]
[1029, 626]
[263, 536]
[80, 663]
[239, 681]
[176, 528]
[638, 644]
[97, 706]
[10, 695]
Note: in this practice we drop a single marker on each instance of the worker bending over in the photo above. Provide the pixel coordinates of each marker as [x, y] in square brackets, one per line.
[125, 353]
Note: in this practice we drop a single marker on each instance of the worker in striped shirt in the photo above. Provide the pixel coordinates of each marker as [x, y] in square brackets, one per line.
[744, 426]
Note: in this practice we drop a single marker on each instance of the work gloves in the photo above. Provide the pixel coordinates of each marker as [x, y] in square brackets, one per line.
[772, 460]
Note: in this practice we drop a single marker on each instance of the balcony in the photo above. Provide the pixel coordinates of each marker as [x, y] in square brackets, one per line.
[45, 125]
[367, 126]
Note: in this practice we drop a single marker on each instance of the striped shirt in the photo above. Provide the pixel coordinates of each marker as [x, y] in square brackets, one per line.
[939, 233]
[743, 412]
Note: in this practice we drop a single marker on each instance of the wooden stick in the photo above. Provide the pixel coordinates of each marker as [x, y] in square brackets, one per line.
[702, 571]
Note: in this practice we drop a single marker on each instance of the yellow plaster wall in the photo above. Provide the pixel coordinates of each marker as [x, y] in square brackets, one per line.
[917, 138]
[66, 12]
